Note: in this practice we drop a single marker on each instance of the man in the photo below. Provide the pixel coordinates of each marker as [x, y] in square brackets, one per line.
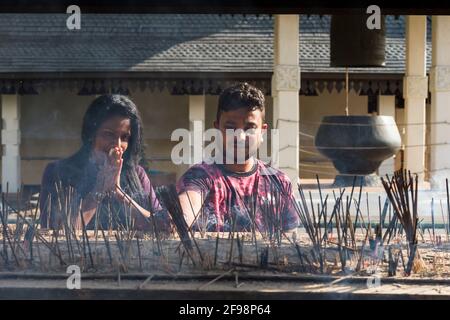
[240, 193]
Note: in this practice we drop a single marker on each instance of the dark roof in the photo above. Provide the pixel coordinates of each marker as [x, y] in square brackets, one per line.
[169, 43]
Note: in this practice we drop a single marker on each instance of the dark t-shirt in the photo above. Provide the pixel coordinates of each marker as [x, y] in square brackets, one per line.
[262, 197]
[64, 186]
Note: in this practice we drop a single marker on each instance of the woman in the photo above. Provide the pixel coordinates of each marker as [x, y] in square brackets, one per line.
[103, 179]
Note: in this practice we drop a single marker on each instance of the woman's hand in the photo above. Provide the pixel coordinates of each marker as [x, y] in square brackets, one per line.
[117, 160]
[108, 178]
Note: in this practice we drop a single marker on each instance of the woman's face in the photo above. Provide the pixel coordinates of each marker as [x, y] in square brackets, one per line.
[113, 132]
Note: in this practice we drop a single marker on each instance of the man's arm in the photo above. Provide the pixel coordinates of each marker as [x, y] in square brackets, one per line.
[192, 187]
[191, 203]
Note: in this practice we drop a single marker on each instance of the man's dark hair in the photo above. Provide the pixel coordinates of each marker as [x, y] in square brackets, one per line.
[241, 95]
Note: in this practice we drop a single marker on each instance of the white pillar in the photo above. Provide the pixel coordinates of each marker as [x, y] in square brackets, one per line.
[11, 143]
[285, 93]
[400, 119]
[197, 110]
[415, 91]
[440, 102]
[386, 107]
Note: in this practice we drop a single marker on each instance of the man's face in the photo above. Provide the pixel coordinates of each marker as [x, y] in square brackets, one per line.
[246, 128]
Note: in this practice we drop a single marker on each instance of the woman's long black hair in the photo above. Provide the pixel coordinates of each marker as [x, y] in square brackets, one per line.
[100, 110]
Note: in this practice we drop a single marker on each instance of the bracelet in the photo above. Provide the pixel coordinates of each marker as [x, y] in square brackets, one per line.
[99, 196]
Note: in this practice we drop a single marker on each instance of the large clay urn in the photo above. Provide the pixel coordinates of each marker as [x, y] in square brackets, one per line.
[357, 145]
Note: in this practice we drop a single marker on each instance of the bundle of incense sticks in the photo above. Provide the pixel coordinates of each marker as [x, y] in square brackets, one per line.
[402, 191]
[169, 197]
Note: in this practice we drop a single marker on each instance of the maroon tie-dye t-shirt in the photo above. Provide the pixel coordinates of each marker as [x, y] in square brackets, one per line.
[261, 198]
